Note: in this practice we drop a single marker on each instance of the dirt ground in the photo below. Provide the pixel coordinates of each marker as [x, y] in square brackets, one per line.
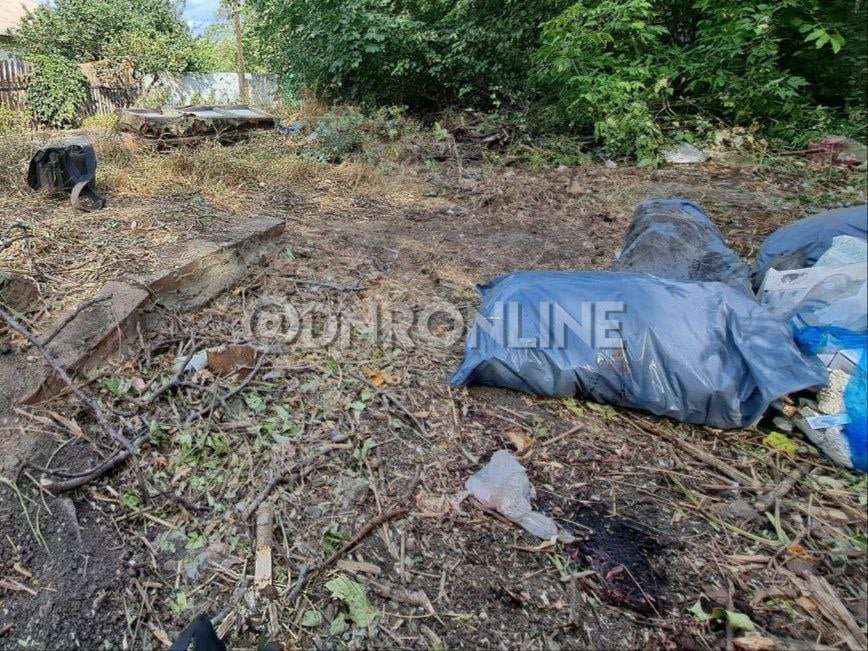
[373, 429]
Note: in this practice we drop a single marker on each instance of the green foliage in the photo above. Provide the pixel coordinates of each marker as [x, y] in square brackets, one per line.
[108, 121]
[13, 122]
[57, 90]
[625, 68]
[154, 97]
[345, 133]
[419, 53]
[627, 71]
[215, 48]
[149, 34]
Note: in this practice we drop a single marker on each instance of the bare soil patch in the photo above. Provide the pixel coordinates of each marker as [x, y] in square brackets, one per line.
[658, 530]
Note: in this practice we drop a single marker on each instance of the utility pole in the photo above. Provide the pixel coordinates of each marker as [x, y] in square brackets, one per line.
[243, 90]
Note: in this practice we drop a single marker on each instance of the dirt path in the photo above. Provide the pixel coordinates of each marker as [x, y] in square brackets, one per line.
[658, 530]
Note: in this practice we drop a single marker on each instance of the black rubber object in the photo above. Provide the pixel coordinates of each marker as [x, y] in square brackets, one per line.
[67, 168]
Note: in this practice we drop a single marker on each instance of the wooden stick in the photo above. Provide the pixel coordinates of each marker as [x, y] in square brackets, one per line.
[264, 543]
[701, 455]
[305, 571]
[245, 510]
[361, 535]
[767, 501]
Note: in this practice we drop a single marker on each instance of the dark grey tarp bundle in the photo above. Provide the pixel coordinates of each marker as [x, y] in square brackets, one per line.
[672, 238]
[800, 244]
[71, 168]
[698, 352]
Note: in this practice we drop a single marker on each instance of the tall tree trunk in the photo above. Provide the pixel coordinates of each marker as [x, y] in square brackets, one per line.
[243, 90]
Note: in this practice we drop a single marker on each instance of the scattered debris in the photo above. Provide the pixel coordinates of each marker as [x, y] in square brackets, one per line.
[502, 485]
[839, 150]
[801, 243]
[234, 362]
[190, 124]
[684, 154]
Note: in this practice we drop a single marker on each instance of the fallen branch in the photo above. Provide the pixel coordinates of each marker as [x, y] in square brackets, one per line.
[765, 502]
[361, 535]
[87, 476]
[305, 571]
[415, 598]
[706, 458]
[395, 401]
[245, 510]
[222, 399]
[171, 382]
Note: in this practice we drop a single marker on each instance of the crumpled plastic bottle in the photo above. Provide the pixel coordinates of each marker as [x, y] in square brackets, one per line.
[502, 485]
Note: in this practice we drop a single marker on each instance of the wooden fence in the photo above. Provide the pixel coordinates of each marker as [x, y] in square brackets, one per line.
[103, 100]
[14, 75]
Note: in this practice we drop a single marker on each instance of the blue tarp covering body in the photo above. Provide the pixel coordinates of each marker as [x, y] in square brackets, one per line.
[700, 352]
[800, 244]
[675, 239]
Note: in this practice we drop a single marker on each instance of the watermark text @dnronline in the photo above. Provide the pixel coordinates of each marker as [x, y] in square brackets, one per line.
[437, 324]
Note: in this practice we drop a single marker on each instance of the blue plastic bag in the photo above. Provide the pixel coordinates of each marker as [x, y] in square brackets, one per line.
[675, 239]
[829, 339]
[700, 352]
[801, 243]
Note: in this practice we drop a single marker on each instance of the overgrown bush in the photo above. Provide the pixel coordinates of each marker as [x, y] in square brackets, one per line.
[421, 53]
[626, 71]
[57, 91]
[626, 68]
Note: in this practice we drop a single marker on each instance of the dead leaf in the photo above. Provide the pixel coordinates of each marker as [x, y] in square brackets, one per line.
[755, 643]
[615, 572]
[432, 505]
[520, 441]
[800, 552]
[380, 378]
[807, 604]
[234, 362]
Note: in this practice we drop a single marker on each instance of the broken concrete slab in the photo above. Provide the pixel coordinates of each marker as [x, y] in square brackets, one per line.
[95, 334]
[684, 154]
[100, 331]
[212, 267]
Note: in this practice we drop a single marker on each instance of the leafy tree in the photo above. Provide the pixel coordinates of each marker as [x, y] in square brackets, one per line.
[149, 34]
[622, 69]
[215, 48]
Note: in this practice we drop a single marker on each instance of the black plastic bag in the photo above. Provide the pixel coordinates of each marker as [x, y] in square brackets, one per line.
[675, 239]
[697, 352]
[801, 243]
